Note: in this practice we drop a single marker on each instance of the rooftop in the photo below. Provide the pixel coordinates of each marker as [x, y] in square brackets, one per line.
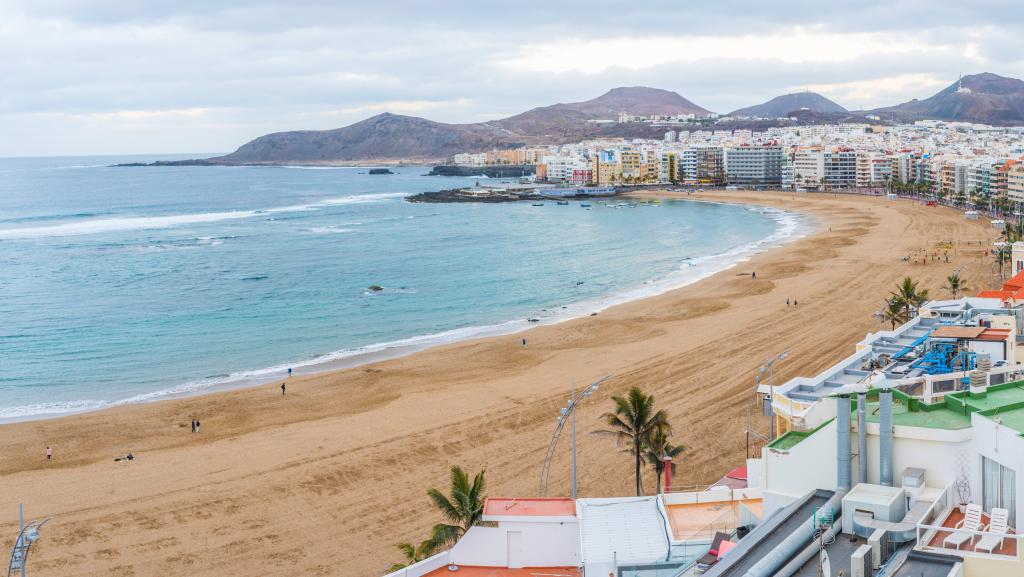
[472, 571]
[506, 507]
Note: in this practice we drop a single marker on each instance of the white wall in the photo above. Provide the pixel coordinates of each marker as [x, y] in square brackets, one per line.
[809, 465]
[934, 450]
[544, 545]
[1003, 445]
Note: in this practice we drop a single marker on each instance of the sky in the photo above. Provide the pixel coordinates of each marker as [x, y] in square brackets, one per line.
[156, 76]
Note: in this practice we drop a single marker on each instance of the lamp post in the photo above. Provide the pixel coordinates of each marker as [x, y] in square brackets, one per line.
[567, 413]
[27, 535]
[769, 411]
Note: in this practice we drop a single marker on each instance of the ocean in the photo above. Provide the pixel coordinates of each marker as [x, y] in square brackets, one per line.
[121, 285]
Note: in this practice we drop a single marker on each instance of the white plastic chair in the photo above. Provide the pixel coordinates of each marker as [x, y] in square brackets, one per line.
[998, 526]
[970, 523]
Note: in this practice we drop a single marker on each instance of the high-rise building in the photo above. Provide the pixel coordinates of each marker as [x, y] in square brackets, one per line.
[756, 166]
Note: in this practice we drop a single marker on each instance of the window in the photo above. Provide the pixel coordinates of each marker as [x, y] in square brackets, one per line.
[998, 485]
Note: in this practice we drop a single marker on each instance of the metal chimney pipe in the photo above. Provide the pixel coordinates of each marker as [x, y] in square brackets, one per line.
[843, 450]
[668, 473]
[885, 437]
[862, 437]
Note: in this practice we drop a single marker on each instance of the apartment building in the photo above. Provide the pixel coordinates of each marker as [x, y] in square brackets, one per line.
[754, 165]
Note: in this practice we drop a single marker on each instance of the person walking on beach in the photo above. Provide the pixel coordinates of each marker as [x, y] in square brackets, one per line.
[282, 389]
[193, 426]
[753, 275]
[289, 372]
[49, 453]
[197, 425]
[524, 342]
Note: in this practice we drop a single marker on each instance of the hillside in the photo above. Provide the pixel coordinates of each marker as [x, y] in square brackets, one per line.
[985, 98]
[570, 119]
[781, 106]
[391, 136]
[379, 137]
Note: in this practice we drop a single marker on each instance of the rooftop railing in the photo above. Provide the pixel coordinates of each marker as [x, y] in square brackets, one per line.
[932, 533]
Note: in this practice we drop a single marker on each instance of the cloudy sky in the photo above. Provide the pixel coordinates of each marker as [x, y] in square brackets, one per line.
[162, 76]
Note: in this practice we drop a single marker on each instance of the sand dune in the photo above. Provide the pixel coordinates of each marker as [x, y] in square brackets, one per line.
[325, 480]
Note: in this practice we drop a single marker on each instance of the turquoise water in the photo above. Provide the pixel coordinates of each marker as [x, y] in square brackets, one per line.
[131, 284]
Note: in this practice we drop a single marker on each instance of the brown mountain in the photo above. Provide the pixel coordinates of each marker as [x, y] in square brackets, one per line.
[782, 106]
[984, 98]
[390, 136]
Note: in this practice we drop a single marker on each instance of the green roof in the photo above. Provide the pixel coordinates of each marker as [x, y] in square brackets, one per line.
[790, 439]
[1004, 401]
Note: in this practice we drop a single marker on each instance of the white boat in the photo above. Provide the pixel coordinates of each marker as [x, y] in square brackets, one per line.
[971, 215]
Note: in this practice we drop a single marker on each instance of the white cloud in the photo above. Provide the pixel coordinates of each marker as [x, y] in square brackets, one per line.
[800, 45]
[878, 92]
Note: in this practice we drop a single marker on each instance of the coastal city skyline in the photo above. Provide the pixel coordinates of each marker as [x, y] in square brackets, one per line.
[207, 78]
[511, 289]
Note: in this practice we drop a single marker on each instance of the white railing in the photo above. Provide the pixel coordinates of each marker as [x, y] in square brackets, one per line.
[423, 567]
[968, 548]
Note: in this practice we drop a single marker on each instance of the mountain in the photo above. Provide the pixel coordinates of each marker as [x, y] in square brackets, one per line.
[382, 137]
[390, 136]
[565, 119]
[781, 106]
[984, 98]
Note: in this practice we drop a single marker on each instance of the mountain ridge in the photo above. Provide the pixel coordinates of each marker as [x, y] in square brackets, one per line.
[983, 98]
[781, 106]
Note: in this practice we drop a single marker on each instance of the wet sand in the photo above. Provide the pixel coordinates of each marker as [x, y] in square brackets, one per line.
[328, 478]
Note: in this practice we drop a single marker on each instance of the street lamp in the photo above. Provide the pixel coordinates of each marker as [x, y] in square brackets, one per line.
[567, 413]
[27, 535]
[769, 411]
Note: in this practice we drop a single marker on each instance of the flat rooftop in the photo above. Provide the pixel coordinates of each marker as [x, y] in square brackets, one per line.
[508, 507]
[474, 571]
[694, 521]
[1005, 402]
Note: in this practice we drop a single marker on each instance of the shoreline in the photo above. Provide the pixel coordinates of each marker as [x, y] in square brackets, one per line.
[331, 476]
[790, 226]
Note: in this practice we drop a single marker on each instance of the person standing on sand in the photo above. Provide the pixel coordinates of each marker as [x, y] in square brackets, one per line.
[197, 425]
[282, 389]
[753, 275]
[524, 342]
[193, 425]
[49, 453]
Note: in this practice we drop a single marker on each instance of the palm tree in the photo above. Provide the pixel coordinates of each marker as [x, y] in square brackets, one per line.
[955, 284]
[462, 508]
[635, 422]
[911, 296]
[658, 448]
[894, 311]
[413, 554]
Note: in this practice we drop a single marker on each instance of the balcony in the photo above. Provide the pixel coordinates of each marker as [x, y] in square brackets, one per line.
[941, 522]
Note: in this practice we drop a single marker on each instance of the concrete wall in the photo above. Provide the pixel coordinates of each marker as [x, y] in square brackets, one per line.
[540, 544]
[423, 567]
[988, 567]
[934, 450]
[809, 465]
[1003, 445]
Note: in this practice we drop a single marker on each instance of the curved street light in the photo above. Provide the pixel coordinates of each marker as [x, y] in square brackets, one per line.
[27, 535]
[567, 413]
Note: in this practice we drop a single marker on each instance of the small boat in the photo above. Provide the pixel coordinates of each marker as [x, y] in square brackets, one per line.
[538, 204]
[585, 204]
[563, 202]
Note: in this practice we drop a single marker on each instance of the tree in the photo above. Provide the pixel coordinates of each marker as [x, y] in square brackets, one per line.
[462, 508]
[894, 311]
[658, 448]
[955, 284]
[911, 296]
[634, 423]
[413, 554]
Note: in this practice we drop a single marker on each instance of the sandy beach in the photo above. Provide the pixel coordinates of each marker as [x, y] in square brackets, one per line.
[326, 479]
